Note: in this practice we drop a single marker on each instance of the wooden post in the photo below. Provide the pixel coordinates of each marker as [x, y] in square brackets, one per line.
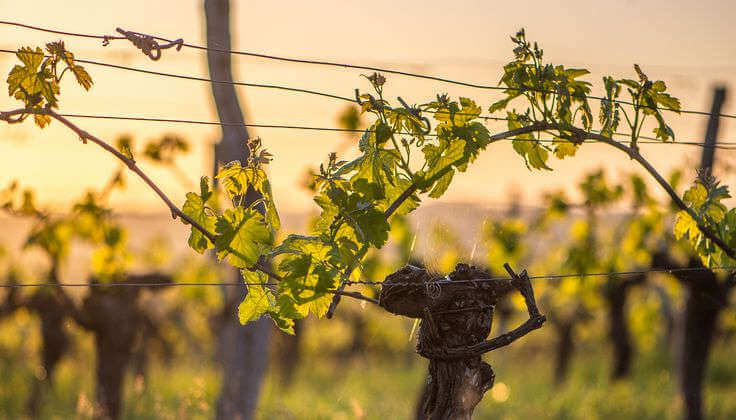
[242, 349]
[711, 132]
[705, 298]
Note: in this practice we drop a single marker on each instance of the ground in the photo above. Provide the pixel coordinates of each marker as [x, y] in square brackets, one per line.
[384, 384]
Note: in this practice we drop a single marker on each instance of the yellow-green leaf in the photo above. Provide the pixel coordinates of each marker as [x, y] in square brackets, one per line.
[696, 195]
[685, 226]
[256, 303]
[242, 237]
[195, 207]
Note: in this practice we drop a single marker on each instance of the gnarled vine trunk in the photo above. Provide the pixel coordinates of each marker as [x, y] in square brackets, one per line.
[115, 318]
[616, 295]
[48, 304]
[564, 348]
[706, 299]
[54, 341]
[456, 315]
[564, 326]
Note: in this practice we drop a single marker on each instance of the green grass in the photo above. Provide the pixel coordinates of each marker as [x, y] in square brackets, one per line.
[388, 389]
[380, 386]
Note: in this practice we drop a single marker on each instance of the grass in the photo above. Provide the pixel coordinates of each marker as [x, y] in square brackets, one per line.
[375, 389]
[378, 386]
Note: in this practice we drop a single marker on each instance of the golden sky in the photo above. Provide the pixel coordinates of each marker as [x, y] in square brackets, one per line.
[688, 44]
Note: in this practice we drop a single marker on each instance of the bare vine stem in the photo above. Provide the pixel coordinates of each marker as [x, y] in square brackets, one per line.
[634, 154]
[175, 211]
[578, 135]
[131, 164]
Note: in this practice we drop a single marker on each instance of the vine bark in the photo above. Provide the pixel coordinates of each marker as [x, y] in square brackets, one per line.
[456, 314]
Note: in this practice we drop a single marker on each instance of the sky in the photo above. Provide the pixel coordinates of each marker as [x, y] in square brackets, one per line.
[687, 44]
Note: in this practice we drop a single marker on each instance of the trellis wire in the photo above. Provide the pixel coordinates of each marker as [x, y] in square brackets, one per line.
[719, 145]
[672, 270]
[310, 92]
[352, 66]
[324, 63]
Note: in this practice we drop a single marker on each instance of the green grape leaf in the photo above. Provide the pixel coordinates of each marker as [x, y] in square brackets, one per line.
[58, 50]
[124, 148]
[260, 301]
[442, 184]
[257, 302]
[440, 158]
[242, 237]
[535, 156]
[564, 148]
[283, 323]
[382, 132]
[26, 76]
[196, 207]
[696, 195]
[704, 199]
[361, 221]
[453, 115]
[236, 178]
[685, 226]
[575, 73]
[33, 82]
[309, 267]
[42, 120]
[124, 144]
[373, 224]
[503, 103]
[272, 214]
[83, 78]
[329, 212]
[375, 170]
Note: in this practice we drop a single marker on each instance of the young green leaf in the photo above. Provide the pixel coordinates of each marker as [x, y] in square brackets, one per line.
[196, 207]
[242, 237]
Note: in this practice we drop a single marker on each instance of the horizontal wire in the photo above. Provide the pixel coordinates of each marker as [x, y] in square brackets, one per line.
[293, 89]
[362, 67]
[720, 145]
[556, 276]
[380, 283]
[203, 79]
[299, 90]
[165, 284]
[237, 83]
[53, 31]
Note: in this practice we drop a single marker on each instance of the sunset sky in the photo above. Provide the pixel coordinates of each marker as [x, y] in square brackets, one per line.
[690, 45]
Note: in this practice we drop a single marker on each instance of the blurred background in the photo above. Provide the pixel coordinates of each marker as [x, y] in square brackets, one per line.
[615, 346]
